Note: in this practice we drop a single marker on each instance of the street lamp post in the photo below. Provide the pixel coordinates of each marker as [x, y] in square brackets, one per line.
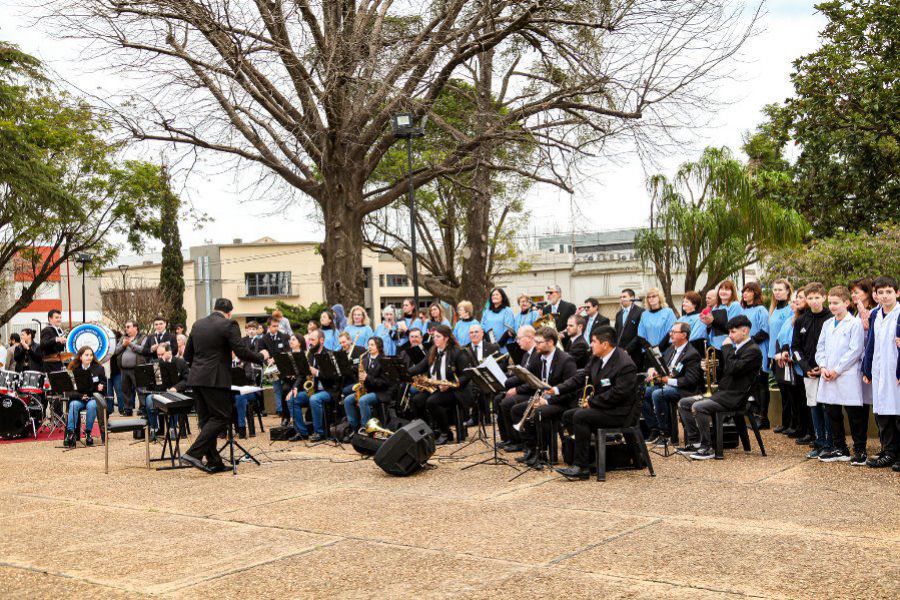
[123, 269]
[84, 260]
[404, 127]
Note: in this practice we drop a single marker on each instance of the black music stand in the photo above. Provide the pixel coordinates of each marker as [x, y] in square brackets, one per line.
[61, 385]
[531, 380]
[490, 386]
[655, 357]
[238, 379]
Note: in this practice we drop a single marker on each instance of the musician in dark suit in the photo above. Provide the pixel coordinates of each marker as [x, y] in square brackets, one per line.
[577, 346]
[479, 349]
[164, 355]
[53, 342]
[553, 367]
[592, 318]
[741, 362]
[325, 390]
[614, 377]
[209, 347]
[682, 377]
[159, 336]
[503, 405]
[414, 352]
[27, 353]
[274, 341]
[627, 320]
[446, 362]
[354, 353]
[556, 306]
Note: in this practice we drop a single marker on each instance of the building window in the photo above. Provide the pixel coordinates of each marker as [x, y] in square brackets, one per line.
[274, 283]
[396, 281]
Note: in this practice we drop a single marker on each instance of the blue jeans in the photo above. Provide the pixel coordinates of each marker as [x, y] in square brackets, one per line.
[240, 404]
[115, 384]
[151, 415]
[75, 407]
[822, 427]
[278, 391]
[362, 413]
[316, 405]
[656, 406]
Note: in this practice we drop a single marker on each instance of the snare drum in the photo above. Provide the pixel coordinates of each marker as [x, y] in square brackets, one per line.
[31, 382]
[9, 382]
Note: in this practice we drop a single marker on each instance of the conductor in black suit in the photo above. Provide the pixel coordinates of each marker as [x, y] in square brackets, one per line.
[556, 306]
[682, 378]
[741, 363]
[209, 348]
[627, 320]
[614, 377]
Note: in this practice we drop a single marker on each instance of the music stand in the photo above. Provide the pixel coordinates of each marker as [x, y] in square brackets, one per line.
[531, 380]
[61, 385]
[285, 364]
[238, 380]
[656, 363]
[329, 370]
[490, 386]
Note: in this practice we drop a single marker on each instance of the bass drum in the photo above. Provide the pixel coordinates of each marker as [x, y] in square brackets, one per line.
[19, 417]
[97, 336]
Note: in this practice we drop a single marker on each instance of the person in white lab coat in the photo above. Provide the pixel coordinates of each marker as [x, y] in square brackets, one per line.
[881, 367]
[838, 354]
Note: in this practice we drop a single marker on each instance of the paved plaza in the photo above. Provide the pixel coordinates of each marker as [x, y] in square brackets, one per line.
[317, 522]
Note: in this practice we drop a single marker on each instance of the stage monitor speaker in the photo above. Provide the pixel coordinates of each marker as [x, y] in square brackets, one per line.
[407, 450]
[365, 445]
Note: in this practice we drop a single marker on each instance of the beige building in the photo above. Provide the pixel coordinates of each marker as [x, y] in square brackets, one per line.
[254, 275]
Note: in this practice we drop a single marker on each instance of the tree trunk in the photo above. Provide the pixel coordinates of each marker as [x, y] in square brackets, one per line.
[342, 270]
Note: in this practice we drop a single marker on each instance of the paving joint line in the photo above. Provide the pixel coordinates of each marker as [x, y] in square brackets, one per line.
[604, 541]
[73, 577]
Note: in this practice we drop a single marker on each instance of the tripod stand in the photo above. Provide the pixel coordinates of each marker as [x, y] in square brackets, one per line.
[490, 387]
[539, 462]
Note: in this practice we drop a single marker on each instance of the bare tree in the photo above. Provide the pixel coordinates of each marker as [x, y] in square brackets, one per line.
[306, 90]
[135, 302]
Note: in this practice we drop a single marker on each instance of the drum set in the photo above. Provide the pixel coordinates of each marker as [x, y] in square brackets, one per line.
[24, 405]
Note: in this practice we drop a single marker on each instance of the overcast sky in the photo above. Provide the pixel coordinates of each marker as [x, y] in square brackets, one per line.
[612, 194]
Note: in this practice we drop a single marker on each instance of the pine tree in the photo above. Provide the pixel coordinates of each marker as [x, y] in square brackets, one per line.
[171, 274]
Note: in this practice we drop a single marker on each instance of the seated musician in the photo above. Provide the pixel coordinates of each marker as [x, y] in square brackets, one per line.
[479, 349]
[414, 352]
[553, 368]
[577, 346]
[27, 353]
[614, 377]
[354, 355]
[377, 389]
[274, 341]
[445, 362]
[737, 373]
[82, 398]
[509, 437]
[324, 391]
[164, 354]
[682, 378]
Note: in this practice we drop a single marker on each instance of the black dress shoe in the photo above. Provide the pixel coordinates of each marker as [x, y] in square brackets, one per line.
[514, 448]
[802, 441]
[316, 437]
[298, 437]
[527, 457]
[69, 441]
[88, 440]
[779, 429]
[242, 433]
[764, 424]
[443, 439]
[187, 459]
[574, 472]
[285, 421]
[469, 423]
[216, 468]
[792, 433]
[538, 460]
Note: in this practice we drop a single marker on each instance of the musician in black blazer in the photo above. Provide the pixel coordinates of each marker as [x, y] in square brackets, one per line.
[159, 336]
[446, 362]
[741, 363]
[576, 346]
[274, 341]
[682, 377]
[615, 398]
[209, 347]
[378, 388]
[559, 308]
[479, 349]
[414, 352]
[553, 367]
[627, 320]
[53, 342]
[27, 353]
[504, 402]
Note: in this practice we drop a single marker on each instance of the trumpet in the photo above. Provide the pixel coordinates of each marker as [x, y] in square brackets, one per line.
[374, 429]
[548, 320]
[530, 411]
[712, 364]
[586, 394]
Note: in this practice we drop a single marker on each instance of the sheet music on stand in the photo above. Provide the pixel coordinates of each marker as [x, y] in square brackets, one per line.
[486, 379]
[343, 363]
[529, 378]
[489, 366]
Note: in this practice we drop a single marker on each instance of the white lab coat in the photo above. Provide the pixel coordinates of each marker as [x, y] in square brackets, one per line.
[840, 348]
[885, 389]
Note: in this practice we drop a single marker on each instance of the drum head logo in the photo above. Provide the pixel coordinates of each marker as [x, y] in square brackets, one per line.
[96, 337]
[7, 403]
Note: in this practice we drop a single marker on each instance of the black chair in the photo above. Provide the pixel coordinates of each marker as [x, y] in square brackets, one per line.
[633, 429]
[740, 417]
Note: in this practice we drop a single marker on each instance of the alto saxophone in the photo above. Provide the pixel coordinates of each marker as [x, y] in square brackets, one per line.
[360, 388]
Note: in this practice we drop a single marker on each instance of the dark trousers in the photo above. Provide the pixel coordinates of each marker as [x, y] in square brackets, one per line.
[213, 416]
[788, 421]
[762, 395]
[544, 415]
[799, 409]
[433, 408]
[129, 388]
[582, 422]
[858, 416]
[889, 433]
[506, 422]
[696, 416]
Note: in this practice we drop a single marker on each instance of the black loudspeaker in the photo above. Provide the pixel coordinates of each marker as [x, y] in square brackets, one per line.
[281, 434]
[365, 445]
[407, 450]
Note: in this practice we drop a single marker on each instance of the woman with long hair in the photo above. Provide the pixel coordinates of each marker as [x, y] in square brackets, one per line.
[378, 387]
[727, 307]
[446, 361]
[752, 307]
[780, 311]
[330, 330]
[359, 327]
[498, 320]
[789, 375]
[90, 379]
[435, 317]
[656, 320]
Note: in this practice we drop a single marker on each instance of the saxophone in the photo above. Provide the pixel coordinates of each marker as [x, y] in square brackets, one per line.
[360, 388]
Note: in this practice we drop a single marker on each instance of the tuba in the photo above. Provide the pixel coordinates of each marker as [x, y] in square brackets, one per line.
[548, 320]
[374, 429]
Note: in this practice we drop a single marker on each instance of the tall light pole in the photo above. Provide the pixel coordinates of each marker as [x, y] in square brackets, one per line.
[123, 269]
[84, 260]
[404, 127]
